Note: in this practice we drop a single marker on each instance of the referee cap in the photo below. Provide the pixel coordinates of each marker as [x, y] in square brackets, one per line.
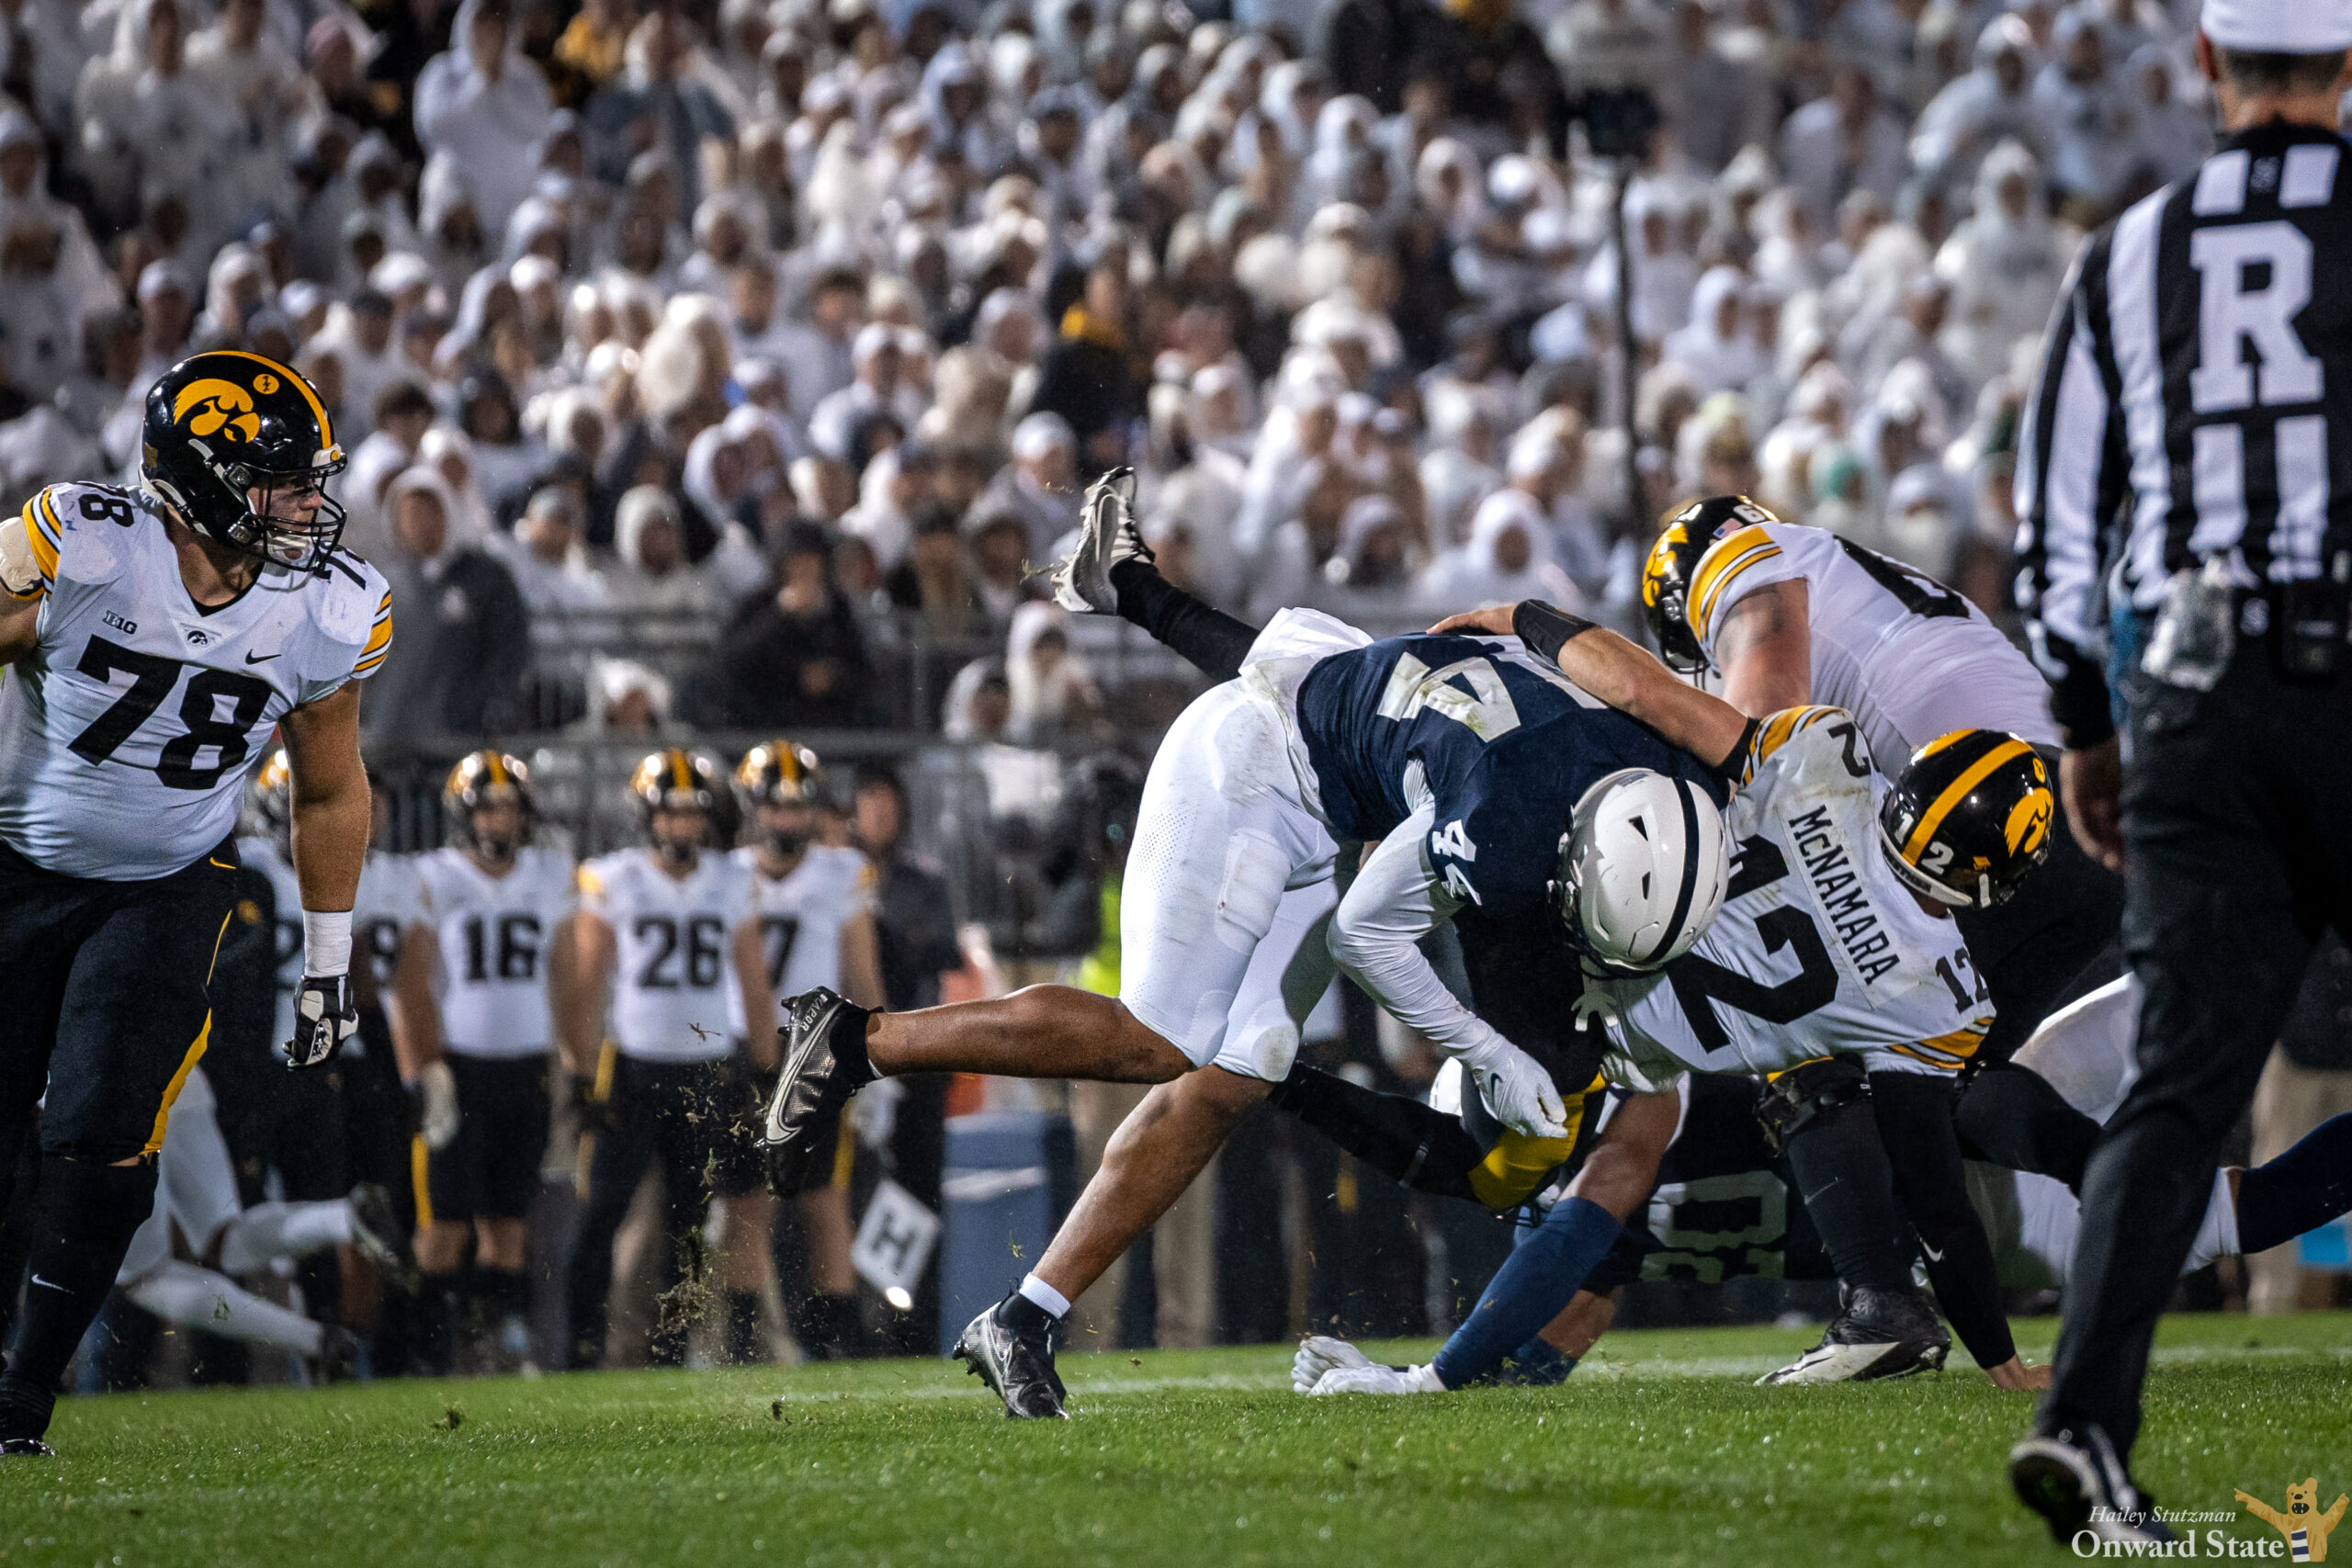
[2279, 27]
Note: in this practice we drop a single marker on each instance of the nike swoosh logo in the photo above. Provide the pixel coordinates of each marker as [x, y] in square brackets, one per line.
[262, 658]
[1933, 1255]
[50, 1283]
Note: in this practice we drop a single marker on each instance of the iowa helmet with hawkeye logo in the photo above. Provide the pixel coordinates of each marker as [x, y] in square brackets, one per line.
[779, 773]
[484, 779]
[1674, 561]
[674, 779]
[223, 425]
[1970, 818]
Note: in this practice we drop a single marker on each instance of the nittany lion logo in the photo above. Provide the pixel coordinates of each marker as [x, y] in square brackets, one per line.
[217, 406]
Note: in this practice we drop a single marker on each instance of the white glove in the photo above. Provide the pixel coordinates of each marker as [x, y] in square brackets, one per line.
[1516, 1090]
[1373, 1378]
[1319, 1353]
[436, 1121]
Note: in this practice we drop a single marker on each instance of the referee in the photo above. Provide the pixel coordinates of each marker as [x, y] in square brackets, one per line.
[2187, 506]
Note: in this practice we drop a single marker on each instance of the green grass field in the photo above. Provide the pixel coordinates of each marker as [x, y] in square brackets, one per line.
[1656, 1451]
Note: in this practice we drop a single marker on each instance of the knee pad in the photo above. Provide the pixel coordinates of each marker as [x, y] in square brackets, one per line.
[1795, 1100]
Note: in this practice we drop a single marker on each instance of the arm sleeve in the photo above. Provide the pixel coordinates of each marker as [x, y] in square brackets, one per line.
[2069, 480]
[1393, 904]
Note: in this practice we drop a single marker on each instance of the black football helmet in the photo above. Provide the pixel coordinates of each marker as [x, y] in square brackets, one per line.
[1674, 561]
[779, 773]
[222, 425]
[674, 779]
[487, 778]
[1970, 818]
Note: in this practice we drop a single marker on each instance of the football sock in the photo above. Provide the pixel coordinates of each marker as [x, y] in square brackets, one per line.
[198, 1298]
[1054, 1306]
[1421, 1147]
[743, 1328]
[85, 1218]
[1843, 1177]
[2301, 1189]
[502, 1293]
[2012, 1116]
[825, 1326]
[1538, 1278]
[443, 1309]
[1210, 638]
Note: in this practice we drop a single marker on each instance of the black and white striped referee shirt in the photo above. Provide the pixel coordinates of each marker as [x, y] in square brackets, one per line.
[2192, 401]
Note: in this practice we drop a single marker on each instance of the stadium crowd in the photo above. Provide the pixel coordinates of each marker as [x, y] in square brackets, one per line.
[730, 370]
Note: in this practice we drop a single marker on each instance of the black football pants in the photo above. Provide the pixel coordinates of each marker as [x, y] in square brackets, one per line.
[2239, 850]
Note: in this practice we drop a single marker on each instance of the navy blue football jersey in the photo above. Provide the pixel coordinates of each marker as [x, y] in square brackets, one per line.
[1503, 745]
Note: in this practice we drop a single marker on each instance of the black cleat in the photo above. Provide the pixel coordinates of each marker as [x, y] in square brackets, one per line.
[377, 1232]
[823, 1039]
[25, 1448]
[1878, 1334]
[338, 1357]
[2074, 1480]
[1017, 1363]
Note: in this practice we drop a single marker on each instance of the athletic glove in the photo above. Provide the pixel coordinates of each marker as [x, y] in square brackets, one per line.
[1518, 1090]
[325, 1015]
[436, 1105]
[594, 1110]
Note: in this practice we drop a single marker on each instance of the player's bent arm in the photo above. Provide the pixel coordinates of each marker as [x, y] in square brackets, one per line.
[330, 803]
[1395, 902]
[579, 1013]
[1764, 648]
[1632, 680]
[413, 1014]
[759, 999]
[862, 961]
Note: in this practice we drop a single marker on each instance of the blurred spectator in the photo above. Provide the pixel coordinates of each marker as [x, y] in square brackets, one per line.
[795, 659]
[457, 665]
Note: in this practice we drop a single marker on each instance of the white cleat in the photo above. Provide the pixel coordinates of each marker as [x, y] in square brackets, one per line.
[1107, 534]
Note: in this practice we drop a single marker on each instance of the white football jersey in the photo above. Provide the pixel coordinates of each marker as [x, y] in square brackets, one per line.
[127, 735]
[494, 935]
[1909, 658]
[801, 917]
[675, 944]
[1818, 948]
[392, 899]
[262, 856]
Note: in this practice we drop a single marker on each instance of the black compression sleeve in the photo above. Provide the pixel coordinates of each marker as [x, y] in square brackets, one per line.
[1207, 636]
[1915, 1113]
[1414, 1144]
[1546, 630]
[1732, 767]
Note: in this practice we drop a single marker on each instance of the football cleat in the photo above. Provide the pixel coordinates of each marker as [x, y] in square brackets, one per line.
[1107, 534]
[1319, 1353]
[2076, 1482]
[1373, 1378]
[377, 1232]
[25, 1448]
[824, 1063]
[1017, 1364]
[338, 1357]
[1878, 1334]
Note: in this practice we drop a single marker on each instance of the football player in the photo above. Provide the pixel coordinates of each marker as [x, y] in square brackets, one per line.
[1726, 1207]
[1784, 615]
[1833, 1131]
[501, 907]
[663, 925]
[1507, 802]
[157, 636]
[816, 912]
[1855, 881]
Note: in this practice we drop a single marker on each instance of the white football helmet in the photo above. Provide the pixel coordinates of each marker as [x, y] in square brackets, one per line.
[1643, 868]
